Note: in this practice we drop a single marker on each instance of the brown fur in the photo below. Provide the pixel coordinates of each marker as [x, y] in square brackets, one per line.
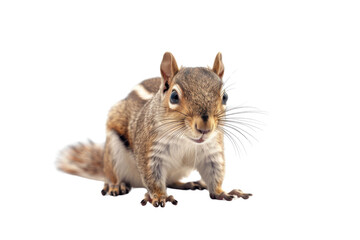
[108, 166]
[83, 159]
[138, 135]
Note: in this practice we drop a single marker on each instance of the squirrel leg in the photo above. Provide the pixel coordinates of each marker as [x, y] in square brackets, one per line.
[189, 185]
[113, 185]
[154, 178]
[212, 172]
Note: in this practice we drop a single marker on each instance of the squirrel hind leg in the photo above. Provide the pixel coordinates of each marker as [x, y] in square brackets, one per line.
[200, 185]
[116, 189]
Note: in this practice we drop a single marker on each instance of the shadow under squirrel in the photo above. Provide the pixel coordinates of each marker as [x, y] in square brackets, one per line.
[164, 129]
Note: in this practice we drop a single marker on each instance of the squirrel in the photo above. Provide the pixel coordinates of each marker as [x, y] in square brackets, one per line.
[164, 129]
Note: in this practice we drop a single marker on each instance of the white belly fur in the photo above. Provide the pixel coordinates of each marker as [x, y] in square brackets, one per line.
[181, 160]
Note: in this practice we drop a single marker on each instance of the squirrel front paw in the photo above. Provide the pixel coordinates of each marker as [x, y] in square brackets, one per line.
[229, 196]
[158, 200]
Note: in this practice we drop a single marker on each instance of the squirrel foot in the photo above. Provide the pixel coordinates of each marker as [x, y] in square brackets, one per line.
[116, 189]
[158, 201]
[229, 196]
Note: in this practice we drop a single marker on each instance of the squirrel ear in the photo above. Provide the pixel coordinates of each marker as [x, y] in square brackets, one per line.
[218, 67]
[168, 69]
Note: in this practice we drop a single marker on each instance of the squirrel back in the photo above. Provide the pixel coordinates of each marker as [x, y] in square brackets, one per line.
[86, 159]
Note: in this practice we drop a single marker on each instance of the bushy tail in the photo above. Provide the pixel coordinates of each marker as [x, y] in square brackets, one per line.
[84, 160]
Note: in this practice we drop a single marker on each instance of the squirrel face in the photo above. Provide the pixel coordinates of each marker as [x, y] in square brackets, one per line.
[193, 98]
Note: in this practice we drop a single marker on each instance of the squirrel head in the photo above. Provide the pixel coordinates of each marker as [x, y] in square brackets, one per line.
[193, 98]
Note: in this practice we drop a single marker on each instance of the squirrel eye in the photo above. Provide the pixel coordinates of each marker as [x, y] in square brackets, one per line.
[174, 97]
[224, 98]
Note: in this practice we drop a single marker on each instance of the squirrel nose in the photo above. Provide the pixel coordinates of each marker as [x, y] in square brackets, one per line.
[205, 117]
[202, 131]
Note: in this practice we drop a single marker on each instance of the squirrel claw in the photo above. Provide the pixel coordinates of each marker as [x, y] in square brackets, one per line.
[105, 190]
[146, 199]
[172, 200]
[143, 202]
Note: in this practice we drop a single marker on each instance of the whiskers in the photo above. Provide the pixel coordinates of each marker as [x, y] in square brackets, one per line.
[171, 128]
[238, 124]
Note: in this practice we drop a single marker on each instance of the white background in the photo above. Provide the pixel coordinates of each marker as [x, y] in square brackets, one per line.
[64, 63]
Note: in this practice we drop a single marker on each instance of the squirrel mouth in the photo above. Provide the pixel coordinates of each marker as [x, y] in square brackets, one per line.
[200, 140]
